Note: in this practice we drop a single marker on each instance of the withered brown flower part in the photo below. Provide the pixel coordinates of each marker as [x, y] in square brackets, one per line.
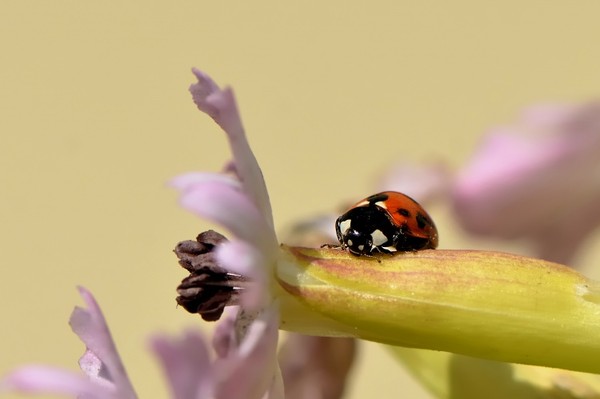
[209, 287]
[196, 254]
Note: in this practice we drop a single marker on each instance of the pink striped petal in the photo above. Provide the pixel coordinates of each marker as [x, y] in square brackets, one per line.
[253, 370]
[187, 181]
[230, 208]
[222, 107]
[38, 379]
[186, 364]
[89, 324]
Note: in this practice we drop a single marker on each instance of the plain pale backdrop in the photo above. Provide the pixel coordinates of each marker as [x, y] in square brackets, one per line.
[95, 117]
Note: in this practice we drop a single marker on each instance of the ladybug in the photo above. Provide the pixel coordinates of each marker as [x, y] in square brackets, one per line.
[386, 222]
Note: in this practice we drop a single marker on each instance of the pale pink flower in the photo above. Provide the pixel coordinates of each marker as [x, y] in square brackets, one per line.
[245, 341]
[238, 372]
[238, 200]
[105, 375]
[425, 183]
[244, 371]
[538, 179]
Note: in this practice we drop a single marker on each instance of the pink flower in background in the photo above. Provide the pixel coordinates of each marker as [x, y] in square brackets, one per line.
[316, 367]
[424, 183]
[538, 179]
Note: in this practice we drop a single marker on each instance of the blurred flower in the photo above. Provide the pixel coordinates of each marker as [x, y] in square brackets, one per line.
[235, 373]
[538, 179]
[425, 183]
[316, 367]
[105, 374]
[239, 371]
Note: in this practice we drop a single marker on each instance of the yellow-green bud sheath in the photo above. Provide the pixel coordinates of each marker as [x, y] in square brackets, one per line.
[491, 305]
[449, 375]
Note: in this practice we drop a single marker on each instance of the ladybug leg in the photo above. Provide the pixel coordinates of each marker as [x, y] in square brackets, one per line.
[384, 250]
[374, 257]
[336, 246]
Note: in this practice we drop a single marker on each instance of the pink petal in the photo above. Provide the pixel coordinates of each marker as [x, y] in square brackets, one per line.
[230, 167]
[221, 106]
[230, 208]
[94, 368]
[224, 338]
[276, 389]
[424, 183]
[239, 257]
[201, 90]
[186, 364]
[316, 367]
[543, 116]
[188, 181]
[37, 379]
[89, 324]
[539, 180]
[252, 371]
[561, 244]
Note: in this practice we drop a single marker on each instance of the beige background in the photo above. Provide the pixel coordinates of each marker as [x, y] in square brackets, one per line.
[95, 117]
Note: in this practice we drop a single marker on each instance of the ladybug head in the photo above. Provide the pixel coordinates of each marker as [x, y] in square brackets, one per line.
[358, 242]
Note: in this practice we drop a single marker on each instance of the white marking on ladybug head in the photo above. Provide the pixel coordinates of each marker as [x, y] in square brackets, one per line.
[361, 203]
[378, 238]
[344, 226]
[349, 243]
[361, 247]
[381, 204]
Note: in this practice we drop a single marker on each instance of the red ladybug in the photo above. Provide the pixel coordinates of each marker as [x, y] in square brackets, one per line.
[386, 222]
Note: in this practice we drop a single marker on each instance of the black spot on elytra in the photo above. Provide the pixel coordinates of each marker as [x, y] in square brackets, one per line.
[423, 221]
[377, 198]
[404, 212]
